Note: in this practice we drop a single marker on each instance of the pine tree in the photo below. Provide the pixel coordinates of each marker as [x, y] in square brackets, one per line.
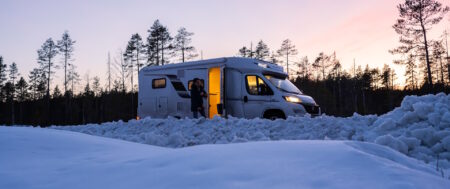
[182, 45]
[159, 44]
[410, 72]
[286, 51]
[322, 63]
[128, 68]
[96, 88]
[438, 57]
[56, 92]
[134, 54]
[393, 78]
[8, 89]
[22, 90]
[336, 67]
[135, 51]
[87, 87]
[386, 76]
[34, 77]
[375, 78]
[245, 52]
[416, 19]
[42, 87]
[13, 74]
[22, 95]
[262, 51]
[335, 64]
[73, 78]
[303, 67]
[46, 54]
[65, 47]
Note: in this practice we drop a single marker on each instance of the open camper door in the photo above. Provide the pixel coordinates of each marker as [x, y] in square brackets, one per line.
[215, 91]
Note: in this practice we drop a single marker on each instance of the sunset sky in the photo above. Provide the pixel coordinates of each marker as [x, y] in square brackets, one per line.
[355, 29]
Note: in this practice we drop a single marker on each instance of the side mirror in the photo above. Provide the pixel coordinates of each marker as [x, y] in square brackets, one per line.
[245, 99]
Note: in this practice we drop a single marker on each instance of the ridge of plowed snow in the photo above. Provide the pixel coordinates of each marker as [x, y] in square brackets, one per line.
[46, 158]
[419, 128]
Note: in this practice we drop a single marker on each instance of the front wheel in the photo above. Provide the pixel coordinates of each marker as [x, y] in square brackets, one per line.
[274, 114]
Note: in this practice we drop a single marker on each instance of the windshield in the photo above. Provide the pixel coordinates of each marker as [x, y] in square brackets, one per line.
[283, 84]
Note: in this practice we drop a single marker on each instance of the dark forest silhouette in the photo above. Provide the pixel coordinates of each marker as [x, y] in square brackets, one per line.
[363, 90]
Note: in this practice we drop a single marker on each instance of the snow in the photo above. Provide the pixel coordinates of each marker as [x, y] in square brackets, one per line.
[419, 128]
[48, 158]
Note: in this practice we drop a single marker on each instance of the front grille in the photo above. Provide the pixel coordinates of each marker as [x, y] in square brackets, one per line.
[312, 109]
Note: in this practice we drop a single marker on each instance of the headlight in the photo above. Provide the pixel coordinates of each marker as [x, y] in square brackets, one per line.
[293, 99]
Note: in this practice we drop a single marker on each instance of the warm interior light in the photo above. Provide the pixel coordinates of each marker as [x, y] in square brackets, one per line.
[138, 118]
[293, 99]
[214, 91]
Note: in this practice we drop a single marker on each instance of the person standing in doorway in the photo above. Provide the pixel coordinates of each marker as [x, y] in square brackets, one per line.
[197, 95]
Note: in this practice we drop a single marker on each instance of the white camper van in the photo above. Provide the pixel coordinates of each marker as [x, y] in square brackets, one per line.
[238, 87]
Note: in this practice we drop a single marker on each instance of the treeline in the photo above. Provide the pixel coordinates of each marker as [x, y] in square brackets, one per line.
[340, 92]
[372, 90]
[32, 101]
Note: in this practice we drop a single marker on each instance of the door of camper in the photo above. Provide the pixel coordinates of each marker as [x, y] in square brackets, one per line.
[215, 91]
[257, 95]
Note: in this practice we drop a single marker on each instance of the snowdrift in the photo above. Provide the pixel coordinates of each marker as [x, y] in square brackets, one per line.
[419, 128]
[47, 158]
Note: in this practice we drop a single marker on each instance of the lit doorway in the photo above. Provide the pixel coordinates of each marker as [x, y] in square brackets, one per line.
[213, 91]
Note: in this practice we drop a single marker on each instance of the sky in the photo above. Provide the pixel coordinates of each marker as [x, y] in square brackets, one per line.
[354, 29]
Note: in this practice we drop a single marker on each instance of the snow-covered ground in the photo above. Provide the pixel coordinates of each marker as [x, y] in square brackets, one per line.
[300, 152]
[419, 128]
[48, 158]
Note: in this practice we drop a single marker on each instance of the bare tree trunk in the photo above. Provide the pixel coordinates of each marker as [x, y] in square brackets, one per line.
[157, 53]
[137, 62]
[48, 91]
[287, 63]
[430, 79]
[162, 53]
[442, 71]
[65, 71]
[48, 79]
[182, 53]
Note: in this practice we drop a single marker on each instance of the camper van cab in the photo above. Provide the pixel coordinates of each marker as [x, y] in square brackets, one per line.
[238, 87]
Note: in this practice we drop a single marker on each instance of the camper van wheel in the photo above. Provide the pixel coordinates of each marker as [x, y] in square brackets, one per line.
[274, 114]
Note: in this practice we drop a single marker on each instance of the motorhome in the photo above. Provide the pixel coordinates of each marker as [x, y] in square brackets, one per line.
[238, 87]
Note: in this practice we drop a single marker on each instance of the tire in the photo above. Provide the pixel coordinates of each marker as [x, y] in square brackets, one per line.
[274, 115]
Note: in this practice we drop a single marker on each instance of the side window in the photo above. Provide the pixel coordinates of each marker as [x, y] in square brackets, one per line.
[263, 88]
[178, 86]
[252, 85]
[192, 82]
[159, 83]
[256, 86]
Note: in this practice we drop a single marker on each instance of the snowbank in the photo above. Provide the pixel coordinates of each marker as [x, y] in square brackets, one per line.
[419, 128]
[46, 158]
